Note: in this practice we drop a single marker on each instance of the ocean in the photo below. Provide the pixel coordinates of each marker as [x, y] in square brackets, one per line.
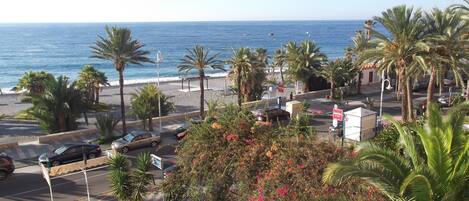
[63, 49]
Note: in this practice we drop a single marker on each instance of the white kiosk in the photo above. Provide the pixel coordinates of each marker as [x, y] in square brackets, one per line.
[359, 124]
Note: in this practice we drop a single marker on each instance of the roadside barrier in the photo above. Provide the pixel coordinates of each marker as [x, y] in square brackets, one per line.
[78, 166]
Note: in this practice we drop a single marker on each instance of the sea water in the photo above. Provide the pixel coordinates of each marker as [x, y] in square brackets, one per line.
[63, 49]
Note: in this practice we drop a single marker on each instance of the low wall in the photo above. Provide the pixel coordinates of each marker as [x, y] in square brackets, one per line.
[8, 145]
[77, 166]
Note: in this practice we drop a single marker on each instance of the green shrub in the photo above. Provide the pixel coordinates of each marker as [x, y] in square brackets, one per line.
[106, 124]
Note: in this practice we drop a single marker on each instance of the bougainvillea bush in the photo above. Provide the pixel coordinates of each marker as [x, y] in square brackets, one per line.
[233, 157]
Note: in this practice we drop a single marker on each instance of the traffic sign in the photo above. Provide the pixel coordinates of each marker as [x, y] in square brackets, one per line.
[156, 161]
[337, 114]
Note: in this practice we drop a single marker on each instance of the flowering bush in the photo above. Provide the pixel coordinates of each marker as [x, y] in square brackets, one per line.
[236, 158]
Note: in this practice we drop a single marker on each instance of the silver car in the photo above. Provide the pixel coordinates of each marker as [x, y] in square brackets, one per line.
[135, 140]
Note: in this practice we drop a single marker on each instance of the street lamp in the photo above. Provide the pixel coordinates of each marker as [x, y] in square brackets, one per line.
[159, 59]
[389, 87]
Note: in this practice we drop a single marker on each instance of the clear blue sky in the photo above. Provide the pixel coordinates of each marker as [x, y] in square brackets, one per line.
[199, 10]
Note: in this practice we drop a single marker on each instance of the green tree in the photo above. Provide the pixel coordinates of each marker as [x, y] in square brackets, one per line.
[401, 52]
[279, 61]
[302, 61]
[432, 166]
[91, 80]
[241, 64]
[337, 72]
[200, 59]
[128, 185]
[360, 43]
[106, 125]
[145, 104]
[34, 82]
[59, 106]
[120, 48]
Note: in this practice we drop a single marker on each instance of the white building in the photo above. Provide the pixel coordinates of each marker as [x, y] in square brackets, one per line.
[370, 74]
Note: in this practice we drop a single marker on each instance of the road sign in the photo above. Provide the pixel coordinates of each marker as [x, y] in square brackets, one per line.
[156, 161]
[337, 114]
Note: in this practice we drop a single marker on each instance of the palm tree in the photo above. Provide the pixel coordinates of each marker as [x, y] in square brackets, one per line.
[141, 178]
[241, 63]
[433, 164]
[59, 106]
[199, 59]
[279, 61]
[445, 30]
[91, 80]
[401, 52]
[34, 82]
[337, 72]
[145, 104]
[121, 184]
[360, 43]
[302, 62]
[120, 48]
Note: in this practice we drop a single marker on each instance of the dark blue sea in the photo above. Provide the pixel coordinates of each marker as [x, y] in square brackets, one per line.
[62, 49]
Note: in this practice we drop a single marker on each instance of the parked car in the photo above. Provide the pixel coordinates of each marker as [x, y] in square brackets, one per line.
[69, 153]
[181, 131]
[135, 140]
[273, 115]
[169, 171]
[6, 166]
[444, 101]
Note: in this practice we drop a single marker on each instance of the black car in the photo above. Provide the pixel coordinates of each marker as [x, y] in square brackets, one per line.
[69, 153]
[275, 114]
[6, 166]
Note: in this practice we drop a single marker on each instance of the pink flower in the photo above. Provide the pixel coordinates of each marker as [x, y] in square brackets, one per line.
[282, 192]
[232, 137]
[301, 166]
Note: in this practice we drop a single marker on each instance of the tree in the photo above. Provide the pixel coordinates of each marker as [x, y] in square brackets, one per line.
[34, 82]
[253, 161]
[337, 72]
[302, 62]
[120, 48]
[445, 32]
[91, 80]
[401, 52]
[279, 61]
[59, 106]
[360, 43]
[433, 165]
[127, 185]
[106, 124]
[145, 104]
[241, 63]
[200, 59]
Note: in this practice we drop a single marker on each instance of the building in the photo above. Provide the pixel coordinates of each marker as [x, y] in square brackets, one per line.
[370, 74]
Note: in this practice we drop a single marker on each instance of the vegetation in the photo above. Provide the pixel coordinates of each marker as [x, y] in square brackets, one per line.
[337, 72]
[433, 165]
[106, 125]
[302, 61]
[360, 43]
[91, 80]
[120, 48]
[248, 73]
[279, 61]
[127, 185]
[145, 103]
[59, 106]
[200, 59]
[235, 158]
[34, 82]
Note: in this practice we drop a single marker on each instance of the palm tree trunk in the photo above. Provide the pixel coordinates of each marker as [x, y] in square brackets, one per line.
[97, 95]
[399, 85]
[403, 89]
[467, 90]
[359, 83]
[121, 90]
[238, 82]
[410, 105]
[62, 122]
[430, 89]
[332, 89]
[281, 75]
[150, 123]
[201, 85]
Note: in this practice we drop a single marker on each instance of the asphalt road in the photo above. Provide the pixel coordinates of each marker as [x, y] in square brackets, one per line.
[28, 184]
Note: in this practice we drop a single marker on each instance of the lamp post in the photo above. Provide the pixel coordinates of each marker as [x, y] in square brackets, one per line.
[159, 59]
[389, 87]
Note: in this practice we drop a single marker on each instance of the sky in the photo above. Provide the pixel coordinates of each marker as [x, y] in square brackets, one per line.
[32, 11]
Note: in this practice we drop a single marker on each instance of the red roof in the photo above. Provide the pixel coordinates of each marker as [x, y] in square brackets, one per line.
[369, 66]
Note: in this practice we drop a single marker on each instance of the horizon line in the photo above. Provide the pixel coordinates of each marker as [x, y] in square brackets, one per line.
[177, 21]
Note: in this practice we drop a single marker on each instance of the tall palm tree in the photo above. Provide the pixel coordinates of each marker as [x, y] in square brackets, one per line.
[337, 72]
[445, 32]
[401, 51]
[303, 60]
[241, 63]
[91, 80]
[279, 61]
[120, 48]
[141, 177]
[360, 43]
[199, 59]
[433, 164]
[145, 103]
[121, 183]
